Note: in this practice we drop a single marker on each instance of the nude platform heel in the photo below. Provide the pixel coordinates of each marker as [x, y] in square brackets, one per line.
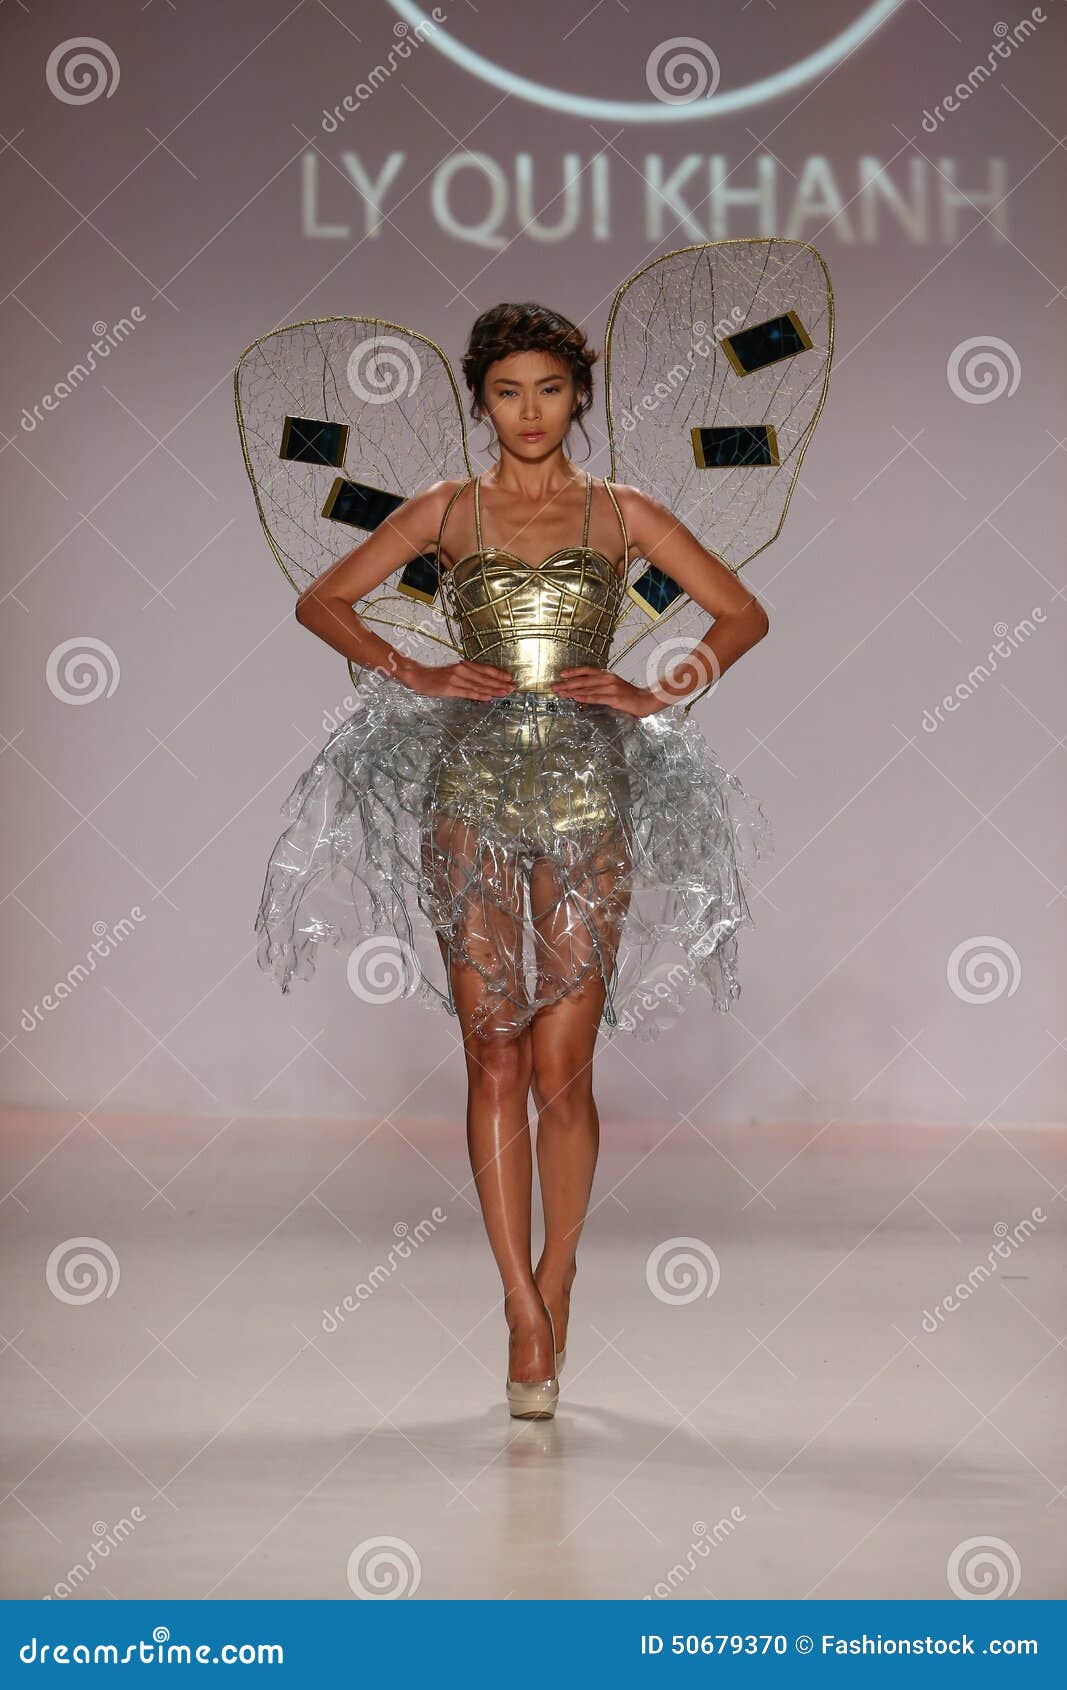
[535, 1399]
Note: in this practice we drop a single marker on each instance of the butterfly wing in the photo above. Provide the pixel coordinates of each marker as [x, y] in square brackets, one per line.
[341, 419]
[717, 361]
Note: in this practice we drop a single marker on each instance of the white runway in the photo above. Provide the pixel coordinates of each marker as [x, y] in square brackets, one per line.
[809, 1409]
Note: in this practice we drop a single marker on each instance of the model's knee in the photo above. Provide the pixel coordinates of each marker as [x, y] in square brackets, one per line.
[562, 1090]
[501, 1065]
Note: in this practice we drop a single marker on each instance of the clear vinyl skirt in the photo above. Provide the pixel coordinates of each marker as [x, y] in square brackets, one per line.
[534, 841]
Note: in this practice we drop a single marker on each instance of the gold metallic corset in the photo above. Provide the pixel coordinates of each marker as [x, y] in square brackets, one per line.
[535, 621]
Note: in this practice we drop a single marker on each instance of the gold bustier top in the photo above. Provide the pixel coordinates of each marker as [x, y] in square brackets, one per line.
[535, 621]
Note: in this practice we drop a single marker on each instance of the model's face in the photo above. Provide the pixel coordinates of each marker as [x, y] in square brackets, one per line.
[530, 399]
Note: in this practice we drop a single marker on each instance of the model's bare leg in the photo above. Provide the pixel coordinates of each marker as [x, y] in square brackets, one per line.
[564, 1038]
[568, 1137]
[499, 1065]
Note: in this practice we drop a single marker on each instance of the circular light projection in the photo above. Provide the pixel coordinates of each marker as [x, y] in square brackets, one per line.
[648, 111]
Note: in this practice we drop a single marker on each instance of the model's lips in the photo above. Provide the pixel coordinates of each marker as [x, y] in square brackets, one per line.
[534, 434]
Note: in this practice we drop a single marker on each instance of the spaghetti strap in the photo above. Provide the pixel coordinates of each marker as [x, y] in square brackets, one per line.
[622, 525]
[478, 511]
[444, 519]
[588, 502]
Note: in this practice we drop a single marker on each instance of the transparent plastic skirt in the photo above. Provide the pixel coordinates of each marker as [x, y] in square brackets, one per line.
[533, 841]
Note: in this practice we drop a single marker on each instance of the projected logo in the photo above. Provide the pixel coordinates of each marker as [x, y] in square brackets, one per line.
[706, 100]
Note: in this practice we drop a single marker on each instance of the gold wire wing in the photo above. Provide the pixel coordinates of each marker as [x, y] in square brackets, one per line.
[341, 419]
[716, 367]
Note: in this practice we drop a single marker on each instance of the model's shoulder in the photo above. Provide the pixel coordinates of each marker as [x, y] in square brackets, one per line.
[438, 495]
[627, 494]
[423, 512]
[636, 505]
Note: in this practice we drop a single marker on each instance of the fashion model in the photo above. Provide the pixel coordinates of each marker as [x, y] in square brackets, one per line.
[513, 780]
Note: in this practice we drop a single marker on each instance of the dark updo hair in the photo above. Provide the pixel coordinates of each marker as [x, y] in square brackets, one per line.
[529, 327]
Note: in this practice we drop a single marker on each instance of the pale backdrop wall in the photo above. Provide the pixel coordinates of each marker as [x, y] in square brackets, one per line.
[206, 189]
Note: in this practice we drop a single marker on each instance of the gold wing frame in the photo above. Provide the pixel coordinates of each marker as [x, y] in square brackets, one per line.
[716, 368]
[341, 419]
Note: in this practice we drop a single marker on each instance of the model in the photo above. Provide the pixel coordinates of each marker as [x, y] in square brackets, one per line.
[512, 780]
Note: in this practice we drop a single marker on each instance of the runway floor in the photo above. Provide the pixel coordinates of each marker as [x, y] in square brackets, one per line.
[773, 1386]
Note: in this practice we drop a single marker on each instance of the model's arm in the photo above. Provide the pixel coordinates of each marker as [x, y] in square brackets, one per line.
[326, 606]
[739, 620]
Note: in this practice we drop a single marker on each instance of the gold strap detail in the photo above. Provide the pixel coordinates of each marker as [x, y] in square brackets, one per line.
[444, 519]
[622, 525]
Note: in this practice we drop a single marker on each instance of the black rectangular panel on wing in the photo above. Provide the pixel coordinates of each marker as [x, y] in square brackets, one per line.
[654, 591]
[360, 506]
[308, 441]
[761, 344]
[737, 447]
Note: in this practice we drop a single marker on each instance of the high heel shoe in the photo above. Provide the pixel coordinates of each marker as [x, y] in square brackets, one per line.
[535, 1399]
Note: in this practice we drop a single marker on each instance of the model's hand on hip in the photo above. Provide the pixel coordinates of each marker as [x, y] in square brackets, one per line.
[464, 679]
[590, 685]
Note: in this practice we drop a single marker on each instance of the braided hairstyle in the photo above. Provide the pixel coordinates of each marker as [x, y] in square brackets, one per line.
[529, 327]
